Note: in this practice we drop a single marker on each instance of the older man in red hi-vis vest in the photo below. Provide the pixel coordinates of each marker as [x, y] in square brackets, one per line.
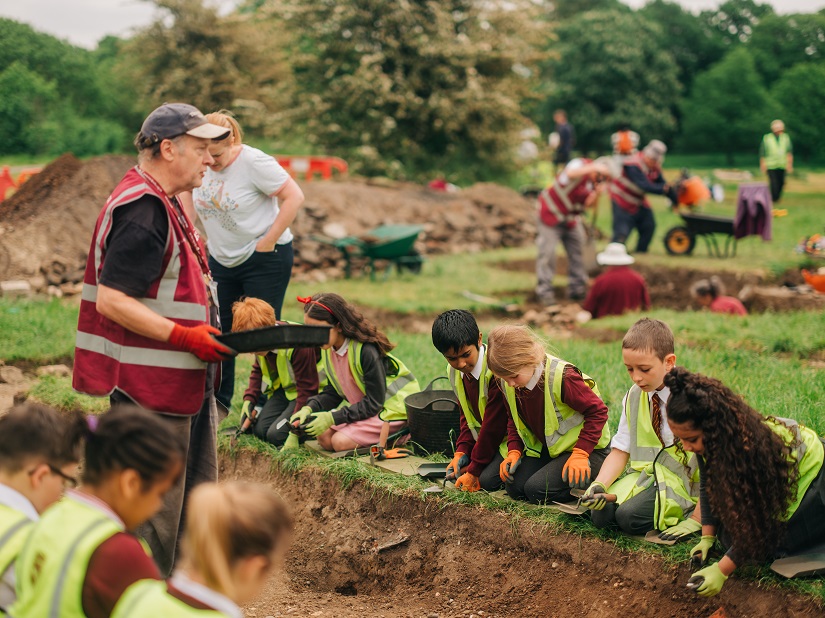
[560, 207]
[641, 174]
[147, 313]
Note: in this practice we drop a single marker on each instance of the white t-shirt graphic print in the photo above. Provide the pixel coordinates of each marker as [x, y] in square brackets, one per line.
[236, 205]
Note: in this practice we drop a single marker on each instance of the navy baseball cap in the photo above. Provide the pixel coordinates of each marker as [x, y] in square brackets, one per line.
[173, 119]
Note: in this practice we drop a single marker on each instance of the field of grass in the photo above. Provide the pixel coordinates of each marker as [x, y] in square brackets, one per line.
[773, 359]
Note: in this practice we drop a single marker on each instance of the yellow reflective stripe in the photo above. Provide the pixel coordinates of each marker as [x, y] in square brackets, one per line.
[171, 359]
[399, 383]
[169, 309]
[54, 610]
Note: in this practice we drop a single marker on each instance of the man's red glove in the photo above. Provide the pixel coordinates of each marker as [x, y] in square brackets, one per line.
[199, 341]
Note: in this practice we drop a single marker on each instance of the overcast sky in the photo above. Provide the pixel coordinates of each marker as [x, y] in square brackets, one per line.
[85, 22]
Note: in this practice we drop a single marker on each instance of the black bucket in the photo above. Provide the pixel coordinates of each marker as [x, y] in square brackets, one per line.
[434, 419]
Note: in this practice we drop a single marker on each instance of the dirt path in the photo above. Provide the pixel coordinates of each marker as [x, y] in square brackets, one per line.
[461, 562]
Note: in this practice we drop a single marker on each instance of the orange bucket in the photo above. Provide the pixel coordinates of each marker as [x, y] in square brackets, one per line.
[692, 191]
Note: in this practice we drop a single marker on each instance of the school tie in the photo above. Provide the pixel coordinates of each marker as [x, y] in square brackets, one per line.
[657, 416]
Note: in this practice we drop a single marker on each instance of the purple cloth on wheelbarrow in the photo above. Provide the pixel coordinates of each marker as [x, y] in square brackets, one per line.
[753, 211]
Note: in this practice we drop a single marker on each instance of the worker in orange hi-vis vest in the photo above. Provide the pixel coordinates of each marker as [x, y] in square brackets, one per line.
[560, 207]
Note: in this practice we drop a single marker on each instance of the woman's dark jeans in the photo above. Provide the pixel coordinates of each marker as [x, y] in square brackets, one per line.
[264, 276]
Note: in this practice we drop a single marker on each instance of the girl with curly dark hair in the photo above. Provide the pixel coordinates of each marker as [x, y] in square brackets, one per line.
[362, 374]
[762, 489]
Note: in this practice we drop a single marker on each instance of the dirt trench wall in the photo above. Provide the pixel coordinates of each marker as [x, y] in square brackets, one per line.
[462, 560]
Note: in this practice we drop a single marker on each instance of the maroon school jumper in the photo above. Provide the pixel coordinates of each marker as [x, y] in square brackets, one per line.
[493, 426]
[615, 291]
[115, 565]
[576, 394]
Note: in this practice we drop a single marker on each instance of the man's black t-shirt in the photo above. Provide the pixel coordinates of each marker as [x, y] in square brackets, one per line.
[137, 243]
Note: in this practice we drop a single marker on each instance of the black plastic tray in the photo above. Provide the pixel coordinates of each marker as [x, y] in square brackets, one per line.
[276, 338]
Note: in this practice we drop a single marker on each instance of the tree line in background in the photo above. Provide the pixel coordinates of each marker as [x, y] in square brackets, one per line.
[412, 88]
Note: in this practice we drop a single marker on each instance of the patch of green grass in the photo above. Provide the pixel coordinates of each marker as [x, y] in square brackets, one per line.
[42, 331]
[57, 392]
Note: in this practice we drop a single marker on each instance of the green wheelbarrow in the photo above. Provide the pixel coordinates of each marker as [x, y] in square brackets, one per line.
[393, 243]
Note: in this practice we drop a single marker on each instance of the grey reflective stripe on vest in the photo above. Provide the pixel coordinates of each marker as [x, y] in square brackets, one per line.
[7, 537]
[452, 373]
[54, 612]
[628, 191]
[670, 493]
[171, 359]
[565, 424]
[167, 308]
[637, 453]
[399, 383]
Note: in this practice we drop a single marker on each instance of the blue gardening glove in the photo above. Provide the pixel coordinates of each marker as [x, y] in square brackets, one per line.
[681, 530]
[702, 548]
[321, 422]
[593, 498]
[714, 580]
[292, 442]
[300, 416]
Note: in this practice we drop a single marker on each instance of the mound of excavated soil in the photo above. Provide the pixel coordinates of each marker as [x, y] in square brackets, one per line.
[52, 216]
[461, 561]
[50, 220]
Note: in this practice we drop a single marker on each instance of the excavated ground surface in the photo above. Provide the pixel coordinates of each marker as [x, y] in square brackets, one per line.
[462, 561]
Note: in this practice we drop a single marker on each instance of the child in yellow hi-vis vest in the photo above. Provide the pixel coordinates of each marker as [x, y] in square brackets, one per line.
[483, 420]
[280, 382]
[235, 535]
[657, 484]
[39, 452]
[557, 428]
[370, 382]
[762, 489]
[81, 555]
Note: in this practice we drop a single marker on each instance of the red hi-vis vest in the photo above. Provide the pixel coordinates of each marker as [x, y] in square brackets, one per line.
[627, 194]
[154, 374]
[562, 204]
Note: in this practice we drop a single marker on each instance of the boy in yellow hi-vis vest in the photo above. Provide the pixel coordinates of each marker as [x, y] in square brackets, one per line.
[657, 484]
[39, 453]
[481, 444]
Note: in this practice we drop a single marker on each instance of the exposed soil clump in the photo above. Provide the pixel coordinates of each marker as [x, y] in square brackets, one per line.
[460, 561]
[51, 218]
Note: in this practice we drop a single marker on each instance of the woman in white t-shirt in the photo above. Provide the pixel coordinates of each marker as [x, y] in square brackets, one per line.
[246, 203]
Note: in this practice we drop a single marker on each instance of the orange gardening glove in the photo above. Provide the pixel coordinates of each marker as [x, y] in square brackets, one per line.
[467, 482]
[509, 465]
[576, 471]
[460, 460]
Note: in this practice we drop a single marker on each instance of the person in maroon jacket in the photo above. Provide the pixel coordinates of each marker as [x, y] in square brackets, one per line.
[557, 434]
[271, 398]
[483, 418]
[619, 288]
